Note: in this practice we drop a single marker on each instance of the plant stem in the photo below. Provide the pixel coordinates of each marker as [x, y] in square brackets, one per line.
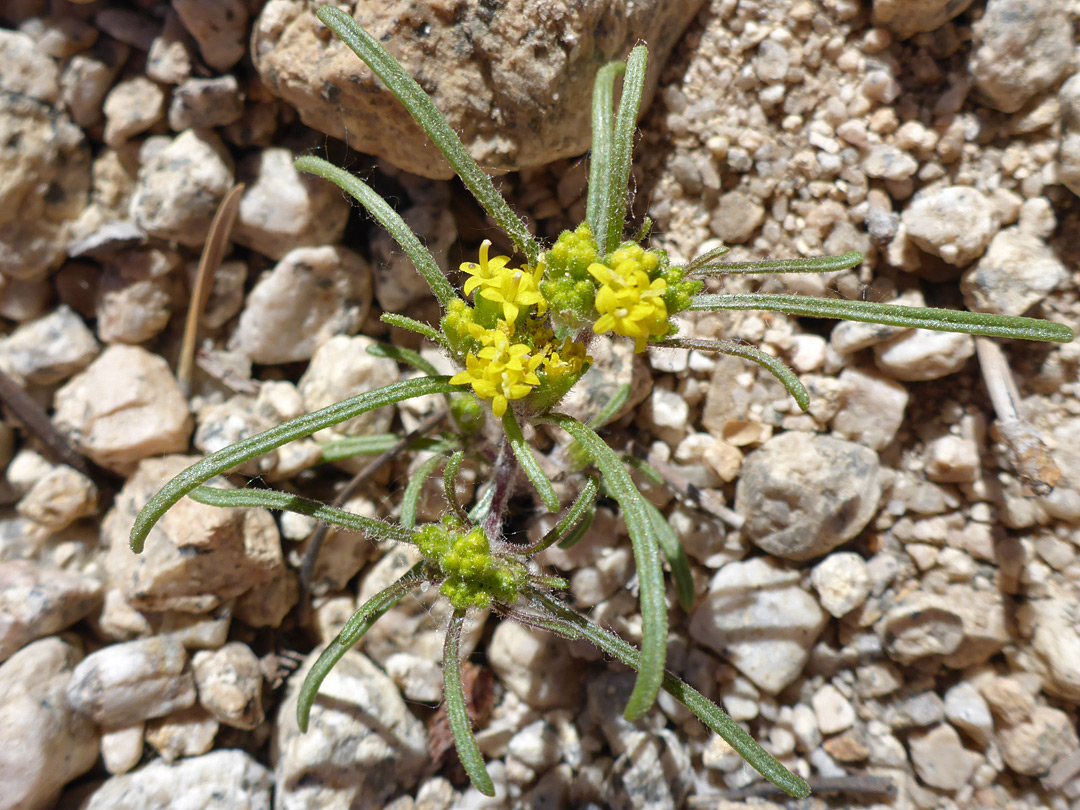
[504, 476]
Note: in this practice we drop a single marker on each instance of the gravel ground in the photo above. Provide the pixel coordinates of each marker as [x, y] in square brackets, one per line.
[887, 586]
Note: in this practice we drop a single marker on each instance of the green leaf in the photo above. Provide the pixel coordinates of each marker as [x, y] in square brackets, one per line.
[450, 474]
[529, 463]
[225, 459]
[410, 501]
[456, 713]
[622, 149]
[572, 625]
[424, 112]
[673, 551]
[939, 320]
[411, 325]
[579, 510]
[777, 368]
[352, 632]
[646, 555]
[817, 264]
[352, 446]
[599, 201]
[579, 531]
[402, 355]
[287, 502]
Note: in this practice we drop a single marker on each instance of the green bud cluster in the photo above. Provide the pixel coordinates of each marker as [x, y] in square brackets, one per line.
[567, 285]
[472, 576]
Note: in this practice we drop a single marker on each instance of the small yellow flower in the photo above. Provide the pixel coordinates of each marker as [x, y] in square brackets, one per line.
[501, 371]
[567, 360]
[514, 289]
[628, 303]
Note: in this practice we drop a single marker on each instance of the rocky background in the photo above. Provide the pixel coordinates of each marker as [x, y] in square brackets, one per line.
[888, 597]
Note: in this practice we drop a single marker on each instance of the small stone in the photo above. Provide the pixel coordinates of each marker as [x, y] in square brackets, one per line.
[833, 711]
[342, 368]
[220, 780]
[48, 350]
[37, 601]
[1069, 148]
[537, 745]
[311, 295]
[283, 209]
[170, 57]
[1032, 746]
[842, 581]
[196, 557]
[25, 69]
[204, 103]
[131, 310]
[1022, 47]
[916, 710]
[124, 407]
[803, 494]
[851, 745]
[922, 625]
[46, 744]
[44, 185]
[122, 749]
[535, 666]
[1055, 643]
[954, 223]
[904, 18]
[889, 163]
[360, 730]
[667, 414]
[737, 216]
[218, 26]
[124, 683]
[761, 620]
[872, 408]
[229, 681]
[966, 709]
[1017, 271]
[940, 759]
[922, 354]
[87, 78]
[952, 459]
[180, 184]
[771, 62]
[132, 107]
[614, 365]
[187, 733]
[60, 498]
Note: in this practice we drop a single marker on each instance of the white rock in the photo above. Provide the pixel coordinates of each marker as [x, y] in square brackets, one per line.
[180, 185]
[204, 103]
[952, 459]
[196, 557]
[218, 26]
[940, 759]
[842, 581]
[342, 368]
[966, 709]
[360, 729]
[46, 744]
[186, 733]
[25, 69]
[833, 711]
[132, 107]
[872, 408]
[1017, 271]
[49, 349]
[283, 209]
[1034, 745]
[761, 620]
[535, 666]
[220, 780]
[59, 498]
[311, 295]
[921, 354]
[124, 407]
[1055, 644]
[124, 683]
[907, 17]
[122, 749]
[954, 223]
[889, 163]
[36, 601]
[229, 681]
[537, 745]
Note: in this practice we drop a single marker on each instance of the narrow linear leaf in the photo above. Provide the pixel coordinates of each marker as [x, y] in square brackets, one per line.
[939, 320]
[227, 458]
[410, 500]
[622, 148]
[460, 724]
[646, 556]
[424, 112]
[386, 216]
[528, 462]
[598, 202]
[287, 502]
[577, 513]
[352, 632]
[402, 355]
[483, 504]
[706, 258]
[359, 446]
[573, 625]
[450, 474]
[412, 325]
[673, 552]
[817, 264]
[777, 368]
[611, 407]
[579, 531]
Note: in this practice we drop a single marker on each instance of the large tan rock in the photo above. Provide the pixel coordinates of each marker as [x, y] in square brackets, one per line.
[514, 79]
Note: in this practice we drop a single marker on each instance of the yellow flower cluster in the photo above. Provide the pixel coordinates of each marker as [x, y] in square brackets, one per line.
[628, 302]
[514, 289]
[501, 370]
